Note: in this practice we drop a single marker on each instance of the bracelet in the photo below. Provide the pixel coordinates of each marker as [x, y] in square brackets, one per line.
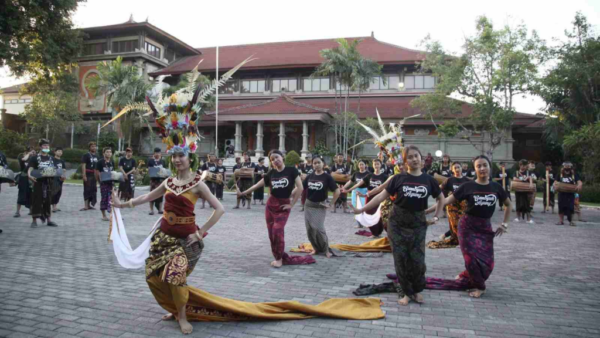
[504, 225]
[131, 204]
[435, 218]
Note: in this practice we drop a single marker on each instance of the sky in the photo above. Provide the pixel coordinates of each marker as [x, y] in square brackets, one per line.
[403, 23]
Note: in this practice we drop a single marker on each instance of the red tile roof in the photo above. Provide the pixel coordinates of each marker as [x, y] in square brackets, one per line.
[292, 54]
[282, 104]
[11, 89]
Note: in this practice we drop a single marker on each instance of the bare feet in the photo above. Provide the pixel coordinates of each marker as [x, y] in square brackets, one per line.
[560, 223]
[572, 224]
[168, 316]
[404, 301]
[417, 297]
[313, 252]
[476, 293]
[328, 254]
[457, 277]
[186, 327]
[277, 264]
[105, 219]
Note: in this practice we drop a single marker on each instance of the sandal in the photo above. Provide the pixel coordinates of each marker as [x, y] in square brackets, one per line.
[560, 223]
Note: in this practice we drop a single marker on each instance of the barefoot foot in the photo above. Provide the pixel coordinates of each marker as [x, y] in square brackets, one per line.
[476, 293]
[168, 316]
[404, 301]
[313, 252]
[277, 264]
[186, 327]
[418, 298]
[328, 254]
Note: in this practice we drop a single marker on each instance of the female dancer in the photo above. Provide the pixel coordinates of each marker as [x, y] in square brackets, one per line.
[566, 201]
[127, 167]
[371, 182]
[522, 198]
[455, 210]
[282, 180]
[407, 228]
[475, 234]
[318, 184]
[361, 190]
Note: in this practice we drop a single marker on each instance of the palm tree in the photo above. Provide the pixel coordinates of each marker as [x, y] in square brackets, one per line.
[122, 85]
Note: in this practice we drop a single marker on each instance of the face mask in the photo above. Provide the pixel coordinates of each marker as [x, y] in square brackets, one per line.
[46, 150]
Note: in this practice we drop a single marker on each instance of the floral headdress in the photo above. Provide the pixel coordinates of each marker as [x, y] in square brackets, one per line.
[177, 116]
[390, 142]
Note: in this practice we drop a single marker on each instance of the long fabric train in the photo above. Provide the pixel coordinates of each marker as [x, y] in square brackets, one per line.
[203, 306]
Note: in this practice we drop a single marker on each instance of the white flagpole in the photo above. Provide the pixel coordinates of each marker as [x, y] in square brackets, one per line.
[217, 109]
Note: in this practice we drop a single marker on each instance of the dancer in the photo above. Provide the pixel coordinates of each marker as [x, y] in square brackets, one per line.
[341, 168]
[259, 172]
[455, 210]
[156, 162]
[23, 183]
[522, 198]
[361, 188]
[282, 181]
[407, 228]
[548, 203]
[127, 167]
[566, 200]
[41, 197]
[318, 184]
[245, 183]
[219, 187]
[503, 177]
[59, 163]
[88, 172]
[211, 167]
[105, 165]
[371, 182]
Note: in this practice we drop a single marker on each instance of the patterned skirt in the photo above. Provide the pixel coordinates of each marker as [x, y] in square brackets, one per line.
[171, 259]
[455, 212]
[127, 188]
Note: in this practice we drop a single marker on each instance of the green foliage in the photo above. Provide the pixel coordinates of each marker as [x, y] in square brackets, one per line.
[321, 149]
[73, 155]
[496, 66]
[13, 164]
[291, 158]
[12, 143]
[38, 36]
[585, 143]
[108, 138]
[590, 193]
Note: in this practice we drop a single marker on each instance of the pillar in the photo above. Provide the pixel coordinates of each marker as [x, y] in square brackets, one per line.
[282, 137]
[260, 152]
[238, 139]
[304, 150]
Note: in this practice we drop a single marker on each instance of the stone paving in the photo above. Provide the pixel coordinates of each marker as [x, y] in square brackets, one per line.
[66, 282]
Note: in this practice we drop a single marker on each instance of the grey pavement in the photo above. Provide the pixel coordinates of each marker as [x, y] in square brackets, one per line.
[66, 282]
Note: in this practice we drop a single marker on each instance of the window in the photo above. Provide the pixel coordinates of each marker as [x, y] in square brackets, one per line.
[153, 50]
[124, 46]
[284, 85]
[253, 86]
[170, 55]
[94, 48]
[230, 87]
[316, 85]
[419, 82]
[377, 83]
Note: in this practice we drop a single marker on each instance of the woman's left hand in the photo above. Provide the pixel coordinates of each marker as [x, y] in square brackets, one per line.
[286, 207]
[191, 239]
[500, 231]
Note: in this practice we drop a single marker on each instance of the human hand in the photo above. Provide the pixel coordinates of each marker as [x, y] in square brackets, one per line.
[500, 231]
[32, 179]
[115, 201]
[432, 221]
[84, 177]
[192, 238]
[354, 210]
[286, 207]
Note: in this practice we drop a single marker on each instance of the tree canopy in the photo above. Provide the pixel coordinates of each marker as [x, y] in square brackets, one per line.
[38, 36]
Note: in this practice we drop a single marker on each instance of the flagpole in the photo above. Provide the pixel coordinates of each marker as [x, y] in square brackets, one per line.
[217, 109]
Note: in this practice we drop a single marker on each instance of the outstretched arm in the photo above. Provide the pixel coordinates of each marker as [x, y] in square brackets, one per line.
[357, 185]
[149, 197]
[380, 188]
[372, 203]
[258, 185]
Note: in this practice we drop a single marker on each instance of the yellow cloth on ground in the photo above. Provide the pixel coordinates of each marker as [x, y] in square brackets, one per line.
[203, 306]
[377, 245]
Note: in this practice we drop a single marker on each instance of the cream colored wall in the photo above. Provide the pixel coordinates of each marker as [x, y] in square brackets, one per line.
[14, 108]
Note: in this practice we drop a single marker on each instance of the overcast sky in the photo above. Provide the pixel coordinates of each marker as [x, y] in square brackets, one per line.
[404, 23]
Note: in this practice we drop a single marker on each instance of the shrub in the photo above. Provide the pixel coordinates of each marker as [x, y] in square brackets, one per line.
[230, 183]
[108, 139]
[292, 158]
[590, 193]
[14, 165]
[73, 155]
[12, 143]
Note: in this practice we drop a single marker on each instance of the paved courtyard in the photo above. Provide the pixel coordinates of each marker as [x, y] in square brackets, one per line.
[66, 282]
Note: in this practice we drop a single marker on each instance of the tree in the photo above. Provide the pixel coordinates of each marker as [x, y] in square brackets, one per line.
[38, 36]
[122, 85]
[55, 104]
[494, 68]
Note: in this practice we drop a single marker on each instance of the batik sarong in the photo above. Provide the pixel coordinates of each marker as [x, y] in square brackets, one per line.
[566, 204]
[41, 198]
[24, 186]
[105, 195]
[171, 259]
[90, 190]
[58, 185]
[127, 188]
[455, 212]
[407, 231]
[276, 220]
[154, 183]
[245, 184]
[314, 219]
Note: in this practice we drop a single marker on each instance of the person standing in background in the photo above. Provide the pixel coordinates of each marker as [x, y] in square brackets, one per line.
[156, 162]
[88, 172]
[220, 170]
[59, 163]
[127, 167]
[259, 174]
[23, 183]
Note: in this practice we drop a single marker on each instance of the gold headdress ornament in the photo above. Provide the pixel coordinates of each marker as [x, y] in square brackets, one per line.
[177, 116]
[391, 141]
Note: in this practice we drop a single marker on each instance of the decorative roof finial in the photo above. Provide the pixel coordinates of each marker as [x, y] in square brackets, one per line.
[147, 18]
[131, 19]
[373, 34]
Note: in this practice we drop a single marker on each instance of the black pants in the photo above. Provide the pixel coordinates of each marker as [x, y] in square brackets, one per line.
[219, 191]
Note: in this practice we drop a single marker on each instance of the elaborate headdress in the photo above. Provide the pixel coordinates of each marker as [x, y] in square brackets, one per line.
[177, 116]
[390, 141]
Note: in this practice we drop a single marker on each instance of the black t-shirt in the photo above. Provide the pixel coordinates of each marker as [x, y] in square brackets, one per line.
[307, 169]
[481, 199]
[281, 182]
[340, 169]
[384, 169]
[413, 191]
[248, 165]
[90, 161]
[24, 165]
[390, 170]
[445, 171]
[59, 163]
[522, 176]
[452, 184]
[572, 179]
[152, 163]
[319, 186]
[470, 174]
[357, 176]
[41, 161]
[237, 166]
[221, 170]
[211, 167]
[374, 181]
[260, 169]
[105, 166]
[127, 164]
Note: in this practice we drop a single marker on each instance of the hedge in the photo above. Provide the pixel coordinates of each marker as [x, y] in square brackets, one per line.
[590, 194]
